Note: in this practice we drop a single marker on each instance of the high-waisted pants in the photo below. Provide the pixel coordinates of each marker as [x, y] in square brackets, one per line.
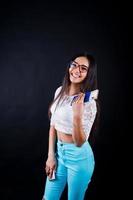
[75, 166]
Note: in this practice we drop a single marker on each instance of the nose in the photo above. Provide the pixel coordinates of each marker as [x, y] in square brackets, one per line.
[77, 70]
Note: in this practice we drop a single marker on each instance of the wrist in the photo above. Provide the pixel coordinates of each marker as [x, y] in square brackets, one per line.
[51, 155]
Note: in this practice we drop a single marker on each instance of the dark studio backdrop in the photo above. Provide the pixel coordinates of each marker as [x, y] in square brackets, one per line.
[36, 42]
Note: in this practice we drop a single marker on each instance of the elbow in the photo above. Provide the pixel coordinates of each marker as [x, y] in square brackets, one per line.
[79, 139]
[80, 142]
[52, 130]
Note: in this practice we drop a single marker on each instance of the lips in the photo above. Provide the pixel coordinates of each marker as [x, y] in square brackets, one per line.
[75, 76]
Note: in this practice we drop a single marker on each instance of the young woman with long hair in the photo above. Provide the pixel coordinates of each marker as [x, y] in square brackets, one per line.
[72, 121]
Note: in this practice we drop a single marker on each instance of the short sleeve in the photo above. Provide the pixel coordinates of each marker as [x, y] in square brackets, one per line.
[89, 116]
[57, 91]
[52, 119]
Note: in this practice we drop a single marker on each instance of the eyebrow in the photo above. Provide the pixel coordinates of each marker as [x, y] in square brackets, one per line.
[81, 65]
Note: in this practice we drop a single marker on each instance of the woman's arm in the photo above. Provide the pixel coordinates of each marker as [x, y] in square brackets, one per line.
[51, 163]
[52, 131]
[52, 140]
[78, 134]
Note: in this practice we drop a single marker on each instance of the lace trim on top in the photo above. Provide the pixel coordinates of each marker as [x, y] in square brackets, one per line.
[62, 117]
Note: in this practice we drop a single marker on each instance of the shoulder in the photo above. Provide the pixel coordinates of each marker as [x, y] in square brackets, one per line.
[58, 89]
[92, 98]
[91, 105]
[94, 94]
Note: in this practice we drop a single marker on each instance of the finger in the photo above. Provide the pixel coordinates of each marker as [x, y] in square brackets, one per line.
[47, 168]
[74, 99]
[50, 174]
[49, 171]
[77, 98]
[81, 97]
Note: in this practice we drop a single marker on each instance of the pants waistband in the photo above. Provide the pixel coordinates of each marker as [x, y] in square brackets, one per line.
[67, 143]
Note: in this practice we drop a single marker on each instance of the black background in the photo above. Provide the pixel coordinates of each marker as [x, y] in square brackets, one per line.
[36, 42]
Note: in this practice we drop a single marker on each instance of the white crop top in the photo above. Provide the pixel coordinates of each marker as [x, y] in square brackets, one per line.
[62, 116]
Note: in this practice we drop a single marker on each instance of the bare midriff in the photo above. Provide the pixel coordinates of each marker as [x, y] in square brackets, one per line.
[64, 137]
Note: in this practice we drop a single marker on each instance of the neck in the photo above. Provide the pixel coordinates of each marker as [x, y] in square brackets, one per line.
[74, 89]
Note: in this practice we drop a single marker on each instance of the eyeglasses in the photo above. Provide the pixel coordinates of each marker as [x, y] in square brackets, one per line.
[82, 68]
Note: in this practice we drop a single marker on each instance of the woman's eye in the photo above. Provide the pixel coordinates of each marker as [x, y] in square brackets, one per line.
[84, 69]
[74, 65]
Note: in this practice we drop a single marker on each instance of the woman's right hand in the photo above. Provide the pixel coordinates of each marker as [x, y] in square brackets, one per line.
[51, 164]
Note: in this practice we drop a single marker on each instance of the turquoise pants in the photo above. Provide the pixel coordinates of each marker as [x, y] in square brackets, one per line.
[75, 166]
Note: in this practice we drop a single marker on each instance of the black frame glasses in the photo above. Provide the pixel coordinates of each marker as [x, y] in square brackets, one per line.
[82, 68]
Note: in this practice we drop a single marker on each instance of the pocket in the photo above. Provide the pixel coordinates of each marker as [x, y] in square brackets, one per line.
[79, 153]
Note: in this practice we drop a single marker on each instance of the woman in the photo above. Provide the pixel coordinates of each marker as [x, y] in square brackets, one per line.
[71, 159]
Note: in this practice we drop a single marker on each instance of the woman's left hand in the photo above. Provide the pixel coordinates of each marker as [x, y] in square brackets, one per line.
[78, 105]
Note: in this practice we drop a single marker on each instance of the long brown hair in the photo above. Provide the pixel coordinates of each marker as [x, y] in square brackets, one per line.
[88, 84]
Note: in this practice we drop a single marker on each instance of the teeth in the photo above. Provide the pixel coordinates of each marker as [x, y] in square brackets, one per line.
[75, 76]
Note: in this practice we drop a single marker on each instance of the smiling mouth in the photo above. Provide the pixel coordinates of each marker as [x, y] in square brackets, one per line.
[75, 76]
